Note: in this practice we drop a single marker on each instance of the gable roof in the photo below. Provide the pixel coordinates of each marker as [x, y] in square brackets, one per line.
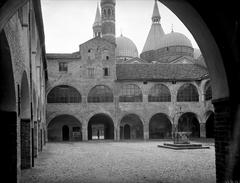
[157, 72]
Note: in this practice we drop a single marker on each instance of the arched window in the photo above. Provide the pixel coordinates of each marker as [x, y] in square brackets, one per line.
[208, 91]
[159, 93]
[100, 94]
[64, 94]
[109, 12]
[187, 93]
[104, 12]
[130, 93]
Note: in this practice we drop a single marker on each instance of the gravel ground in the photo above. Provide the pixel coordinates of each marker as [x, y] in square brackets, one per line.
[108, 161]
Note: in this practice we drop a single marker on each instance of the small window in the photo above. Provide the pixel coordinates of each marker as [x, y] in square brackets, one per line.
[91, 54]
[76, 129]
[90, 72]
[63, 67]
[106, 71]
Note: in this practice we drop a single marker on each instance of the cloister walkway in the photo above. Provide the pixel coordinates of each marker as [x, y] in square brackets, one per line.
[121, 162]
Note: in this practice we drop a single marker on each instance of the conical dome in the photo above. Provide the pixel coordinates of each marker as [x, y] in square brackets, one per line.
[125, 47]
[156, 32]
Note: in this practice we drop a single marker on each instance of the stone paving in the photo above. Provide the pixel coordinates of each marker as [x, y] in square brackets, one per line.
[121, 162]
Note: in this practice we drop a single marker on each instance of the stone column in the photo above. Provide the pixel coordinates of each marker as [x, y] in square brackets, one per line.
[35, 138]
[84, 132]
[145, 98]
[146, 131]
[39, 137]
[202, 129]
[117, 133]
[227, 157]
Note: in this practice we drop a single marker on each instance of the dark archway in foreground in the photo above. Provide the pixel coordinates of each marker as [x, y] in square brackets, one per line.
[131, 127]
[210, 126]
[64, 128]
[160, 127]
[188, 122]
[100, 127]
[8, 112]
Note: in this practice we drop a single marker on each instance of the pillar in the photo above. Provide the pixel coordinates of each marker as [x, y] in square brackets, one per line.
[146, 131]
[117, 133]
[39, 136]
[203, 130]
[227, 155]
[35, 127]
[84, 132]
[26, 144]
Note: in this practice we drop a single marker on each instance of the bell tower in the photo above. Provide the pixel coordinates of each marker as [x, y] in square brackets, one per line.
[108, 19]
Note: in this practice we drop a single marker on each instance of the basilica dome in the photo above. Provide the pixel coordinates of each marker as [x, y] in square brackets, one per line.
[125, 47]
[175, 39]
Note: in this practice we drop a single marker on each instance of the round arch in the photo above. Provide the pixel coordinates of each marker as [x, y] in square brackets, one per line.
[100, 126]
[25, 108]
[205, 40]
[159, 93]
[188, 92]
[207, 91]
[57, 128]
[130, 93]
[131, 127]
[64, 94]
[160, 126]
[100, 94]
[188, 122]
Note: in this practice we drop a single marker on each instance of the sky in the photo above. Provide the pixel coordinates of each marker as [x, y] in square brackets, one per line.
[68, 23]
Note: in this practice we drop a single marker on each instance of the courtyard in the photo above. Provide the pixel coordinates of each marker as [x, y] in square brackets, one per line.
[124, 161]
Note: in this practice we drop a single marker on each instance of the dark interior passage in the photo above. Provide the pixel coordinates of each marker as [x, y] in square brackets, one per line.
[160, 127]
[100, 126]
[8, 113]
[64, 128]
[131, 127]
[210, 126]
[65, 133]
[189, 123]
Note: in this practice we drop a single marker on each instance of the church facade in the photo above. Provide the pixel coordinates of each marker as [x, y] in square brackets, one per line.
[106, 90]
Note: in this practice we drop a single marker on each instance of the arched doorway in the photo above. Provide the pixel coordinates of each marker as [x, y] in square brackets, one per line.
[100, 126]
[8, 111]
[26, 131]
[188, 122]
[210, 126]
[64, 128]
[127, 131]
[131, 127]
[65, 133]
[160, 126]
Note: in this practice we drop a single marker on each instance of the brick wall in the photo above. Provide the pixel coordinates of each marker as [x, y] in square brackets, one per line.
[26, 144]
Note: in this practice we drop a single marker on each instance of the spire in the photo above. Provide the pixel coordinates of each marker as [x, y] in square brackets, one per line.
[98, 21]
[156, 15]
[156, 32]
[97, 25]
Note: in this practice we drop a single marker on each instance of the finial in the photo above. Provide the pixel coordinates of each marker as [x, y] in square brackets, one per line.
[121, 32]
[156, 15]
[172, 28]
